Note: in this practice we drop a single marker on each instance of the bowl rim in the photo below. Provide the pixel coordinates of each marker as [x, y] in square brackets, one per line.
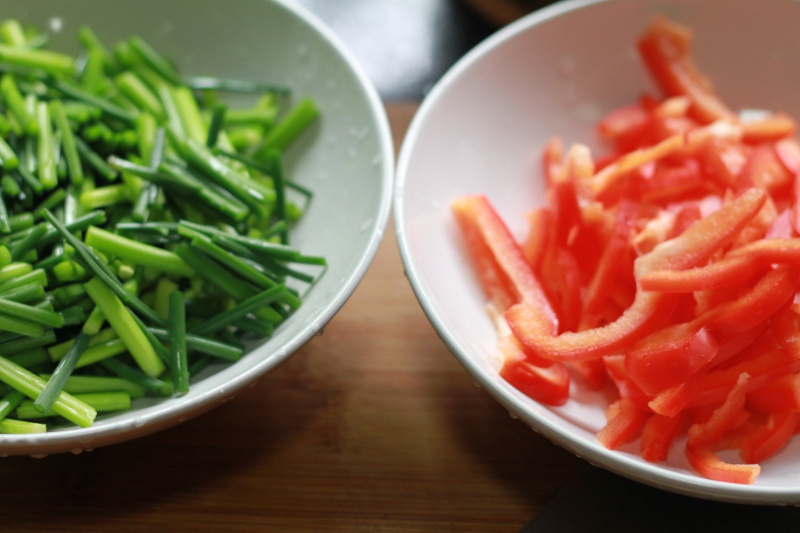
[525, 409]
[163, 413]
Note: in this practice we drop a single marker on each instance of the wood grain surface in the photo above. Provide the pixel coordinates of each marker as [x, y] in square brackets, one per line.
[372, 426]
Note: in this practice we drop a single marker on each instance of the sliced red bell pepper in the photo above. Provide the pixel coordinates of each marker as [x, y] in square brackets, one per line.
[712, 431]
[767, 439]
[631, 161]
[485, 232]
[709, 465]
[544, 381]
[782, 394]
[765, 170]
[658, 434]
[666, 50]
[739, 265]
[771, 128]
[649, 309]
[612, 264]
[615, 368]
[625, 421]
[670, 356]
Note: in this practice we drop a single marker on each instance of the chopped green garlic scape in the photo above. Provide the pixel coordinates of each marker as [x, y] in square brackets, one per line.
[143, 225]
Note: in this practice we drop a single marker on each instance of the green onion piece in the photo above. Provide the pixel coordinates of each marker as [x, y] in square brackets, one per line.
[19, 248]
[94, 322]
[137, 92]
[61, 121]
[9, 426]
[205, 345]
[120, 319]
[218, 113]
[48, 61]
[8, 157]
[55, 384]
[250, 305]
[12, 33]
[159, 386]
[289, 128]
[154, 60]
[32, 385]
[9, 402]
[30, 313]
[273, 158]
[80, 384]
[15, 103]
[22, 344]
[99, 401]
[136, 252]
[177, 342]
[73, 90]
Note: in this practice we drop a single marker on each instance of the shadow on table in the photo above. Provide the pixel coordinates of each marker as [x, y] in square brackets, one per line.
[599, 501]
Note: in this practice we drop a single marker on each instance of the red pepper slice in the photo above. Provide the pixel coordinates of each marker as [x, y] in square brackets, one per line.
[666, 50]
[649, 309]
[762, 442]
[709, 465]
[778, 395]
[670, 356]
[544, 381]
[658, 434]
[738, 265]
[625, 420]
[491, 245]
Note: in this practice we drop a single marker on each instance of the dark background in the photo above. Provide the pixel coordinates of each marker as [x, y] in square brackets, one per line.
[404, 46]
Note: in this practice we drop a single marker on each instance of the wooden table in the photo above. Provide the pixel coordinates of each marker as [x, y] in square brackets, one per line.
[372, 426]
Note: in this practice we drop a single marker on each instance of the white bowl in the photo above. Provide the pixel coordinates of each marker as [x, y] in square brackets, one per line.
[481, 130]
[348, 162]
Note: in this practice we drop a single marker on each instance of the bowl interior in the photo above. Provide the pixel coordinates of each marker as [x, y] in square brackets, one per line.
[482, 129]
[347, 160]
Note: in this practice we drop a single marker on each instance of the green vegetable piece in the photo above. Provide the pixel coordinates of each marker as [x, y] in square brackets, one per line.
[136, 252]
[32, 385]
[128, 330]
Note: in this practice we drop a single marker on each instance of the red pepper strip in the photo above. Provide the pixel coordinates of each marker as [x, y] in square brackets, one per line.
[795, 203]
[769, 295]
[627, 128]
[553, 160]
[670, 356]
[615, 368]
[665, 49]
[484, 230]
[776, 396]
[709, 465]
[544, 381]
[705, 237]
[764, 169]
[711, 432]
[764, 441]
[738, 265]
[649, 309]
[630, 161]
[658, 434]
[771, 128]
[610, 266]
[537, 242]
[625, 421]
[713, 387]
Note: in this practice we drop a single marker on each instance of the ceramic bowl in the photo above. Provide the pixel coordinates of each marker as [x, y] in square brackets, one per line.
[482, 129]
[347, 160]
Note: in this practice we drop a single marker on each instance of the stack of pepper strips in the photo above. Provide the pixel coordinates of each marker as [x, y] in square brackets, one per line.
[143, 225]
[672, 269]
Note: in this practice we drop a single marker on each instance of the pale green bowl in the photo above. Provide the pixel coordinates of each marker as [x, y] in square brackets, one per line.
[347, 160]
